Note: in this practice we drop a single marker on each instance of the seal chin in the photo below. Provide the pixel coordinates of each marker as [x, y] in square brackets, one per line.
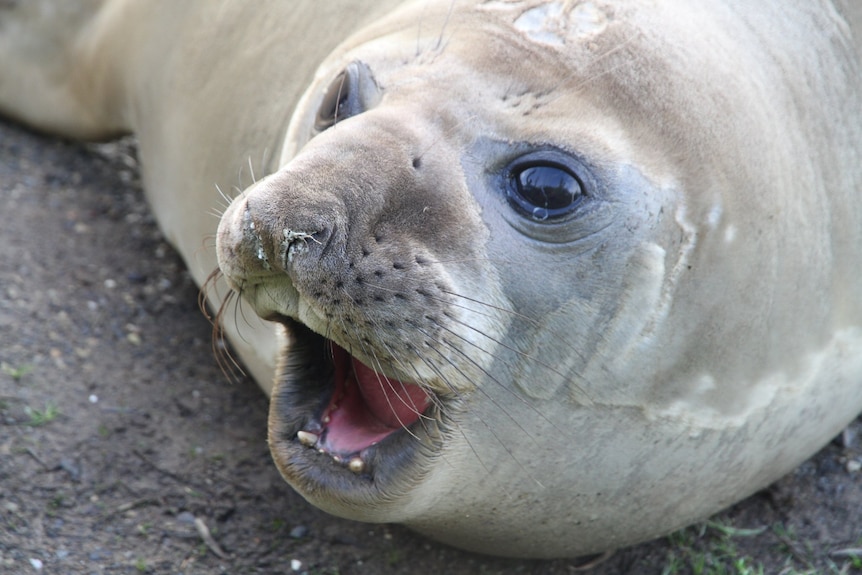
[344, 435]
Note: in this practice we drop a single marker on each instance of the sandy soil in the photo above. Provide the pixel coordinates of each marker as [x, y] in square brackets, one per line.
[121, 442]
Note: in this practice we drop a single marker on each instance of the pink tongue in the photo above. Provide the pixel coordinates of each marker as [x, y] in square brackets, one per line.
[394, 403]
[366, 407]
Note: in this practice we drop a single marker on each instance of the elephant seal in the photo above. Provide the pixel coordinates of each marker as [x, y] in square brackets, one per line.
[550, 277]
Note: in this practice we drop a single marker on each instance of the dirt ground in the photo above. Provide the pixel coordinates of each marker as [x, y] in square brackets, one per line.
[124, 449]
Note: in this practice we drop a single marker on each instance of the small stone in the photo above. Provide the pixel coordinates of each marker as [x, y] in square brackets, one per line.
[299, 532]
[96, 555]
[69, 465]
[186, 517]
[93, 398]
[295, 564]
[110, 284]
[848, 437]
[854, 465]
[36, 563]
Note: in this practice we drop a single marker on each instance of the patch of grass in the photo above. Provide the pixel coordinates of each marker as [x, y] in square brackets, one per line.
[16, 373]
[141, 565]
[41, 416]
[709, 549]
[394, 557]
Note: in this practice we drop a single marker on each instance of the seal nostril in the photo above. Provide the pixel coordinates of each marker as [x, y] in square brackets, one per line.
[417, 163]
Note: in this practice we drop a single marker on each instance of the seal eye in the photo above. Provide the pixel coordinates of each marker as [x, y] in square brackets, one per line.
[352, 92]
[544, 190]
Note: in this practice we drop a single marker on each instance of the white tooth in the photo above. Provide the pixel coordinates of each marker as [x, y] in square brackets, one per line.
[337, 459]
[356, 465]
[307, 438]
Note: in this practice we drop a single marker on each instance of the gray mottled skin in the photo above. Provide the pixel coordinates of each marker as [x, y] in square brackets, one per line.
[691, 333]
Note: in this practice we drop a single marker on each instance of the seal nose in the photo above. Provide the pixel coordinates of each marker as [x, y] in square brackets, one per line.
[238, 246]
[276, 228]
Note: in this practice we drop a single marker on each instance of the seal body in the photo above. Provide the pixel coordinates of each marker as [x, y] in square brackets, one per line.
[550, 278]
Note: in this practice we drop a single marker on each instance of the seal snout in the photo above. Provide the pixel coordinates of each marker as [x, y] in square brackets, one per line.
[275, 236]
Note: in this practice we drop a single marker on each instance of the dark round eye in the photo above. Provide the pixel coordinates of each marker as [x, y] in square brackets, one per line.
[351, 92]
[544, 190]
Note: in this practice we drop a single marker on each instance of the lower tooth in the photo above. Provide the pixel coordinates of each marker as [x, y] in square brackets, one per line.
[356, 465]
[307, 438]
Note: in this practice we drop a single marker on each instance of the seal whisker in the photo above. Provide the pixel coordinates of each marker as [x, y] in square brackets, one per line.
[558, 91]
[228, 200]
[405, 367]
[508, 390]
[429, 363]
[445, 24]
[500, 384]
[521, 353]
[496, 404]
[498, 308]
[461, 306]
[224, 359]
[378, 370]
[447, 131]
[251, 171]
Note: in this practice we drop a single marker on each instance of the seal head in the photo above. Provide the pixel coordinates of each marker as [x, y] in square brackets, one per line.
[537, 295]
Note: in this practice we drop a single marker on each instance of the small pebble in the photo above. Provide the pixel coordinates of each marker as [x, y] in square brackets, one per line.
[854, 465]
[848, 437]
[299, 532]
[110, 284]
[186, 517]
[96, 555]
[36, 563]
[94, 398]
[295, 564]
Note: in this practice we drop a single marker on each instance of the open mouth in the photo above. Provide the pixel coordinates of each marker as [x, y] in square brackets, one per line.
[333, 417]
